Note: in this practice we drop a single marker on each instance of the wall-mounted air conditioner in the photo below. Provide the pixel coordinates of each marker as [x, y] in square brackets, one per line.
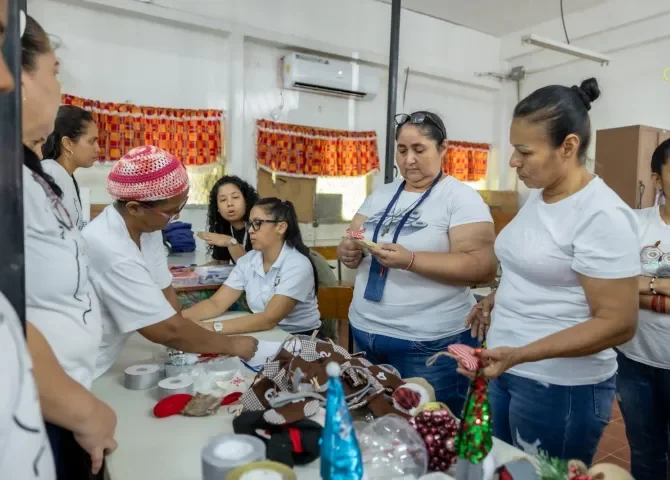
[332, 77]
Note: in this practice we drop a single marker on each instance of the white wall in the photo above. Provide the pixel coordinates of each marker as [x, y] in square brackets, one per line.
[225, 54]
[633, 34]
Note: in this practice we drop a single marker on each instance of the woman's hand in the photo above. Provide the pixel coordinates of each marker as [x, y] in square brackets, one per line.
[392, 255]
[96, 436]
[216, 239]
[479, 319]
[498, 360]
[349, 253]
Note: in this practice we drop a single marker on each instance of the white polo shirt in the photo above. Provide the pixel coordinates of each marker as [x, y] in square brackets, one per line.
[542, 251]
[291, 275]
[60, 301]
[24, 448]
[128, 282]
[65, 181]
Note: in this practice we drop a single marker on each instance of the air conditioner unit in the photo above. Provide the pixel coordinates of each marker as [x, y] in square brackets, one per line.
[312, 73]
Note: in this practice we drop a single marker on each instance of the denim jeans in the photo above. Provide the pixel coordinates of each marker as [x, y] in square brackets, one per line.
[644, 399]
[410, 357]
[565, 422]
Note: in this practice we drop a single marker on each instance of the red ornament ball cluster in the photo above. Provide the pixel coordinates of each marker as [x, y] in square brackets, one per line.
[438, 429]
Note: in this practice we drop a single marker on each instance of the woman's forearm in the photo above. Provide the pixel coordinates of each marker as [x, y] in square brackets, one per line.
[64, 401]
[202, 311]
[236, 251]
[661, 285]
[257, 322]
[457, 268]
[588, 338]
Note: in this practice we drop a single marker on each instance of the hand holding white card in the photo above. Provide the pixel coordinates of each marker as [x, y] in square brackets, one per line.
[265, 350]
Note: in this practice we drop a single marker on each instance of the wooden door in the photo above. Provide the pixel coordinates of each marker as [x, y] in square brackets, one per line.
[648, 141]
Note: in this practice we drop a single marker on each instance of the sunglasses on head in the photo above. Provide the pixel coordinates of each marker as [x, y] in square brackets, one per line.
[419, 118]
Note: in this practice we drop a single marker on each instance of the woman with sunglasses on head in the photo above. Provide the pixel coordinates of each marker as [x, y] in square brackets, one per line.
[129, 269]
[63, 319]
[569, 287]
[278, 277]
[435, 240]
[73, 144]
[230, 203]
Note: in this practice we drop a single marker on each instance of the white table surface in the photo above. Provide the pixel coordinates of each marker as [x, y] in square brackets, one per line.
[169, 448]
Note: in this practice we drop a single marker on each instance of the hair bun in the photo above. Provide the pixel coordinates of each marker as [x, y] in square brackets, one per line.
[588, 91]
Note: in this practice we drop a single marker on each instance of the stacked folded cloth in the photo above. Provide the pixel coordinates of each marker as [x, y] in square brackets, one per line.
[179, 237]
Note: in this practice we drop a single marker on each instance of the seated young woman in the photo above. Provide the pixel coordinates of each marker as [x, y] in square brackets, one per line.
[128, 263]
[278, 277]
[230, 203]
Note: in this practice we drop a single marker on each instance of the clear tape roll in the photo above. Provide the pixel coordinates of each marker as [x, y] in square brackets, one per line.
[173, 385]
[225, 453]
[141, 377]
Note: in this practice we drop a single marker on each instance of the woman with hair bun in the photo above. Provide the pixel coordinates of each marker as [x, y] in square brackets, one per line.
[569, 288]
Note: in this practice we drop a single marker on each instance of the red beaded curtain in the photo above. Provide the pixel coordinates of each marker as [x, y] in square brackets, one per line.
[193, 136]
[315, 152]
[466, 161]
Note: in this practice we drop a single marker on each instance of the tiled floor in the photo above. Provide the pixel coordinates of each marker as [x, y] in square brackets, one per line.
[613, 447]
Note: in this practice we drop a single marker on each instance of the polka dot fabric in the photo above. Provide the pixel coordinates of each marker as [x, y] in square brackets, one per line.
[147, 174]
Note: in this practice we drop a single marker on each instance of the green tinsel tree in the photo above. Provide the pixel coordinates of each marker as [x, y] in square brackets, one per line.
[474, 440]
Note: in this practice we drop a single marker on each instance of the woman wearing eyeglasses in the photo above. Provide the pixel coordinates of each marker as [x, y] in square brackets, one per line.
[435, 239]
[278, 277]
[129, 268]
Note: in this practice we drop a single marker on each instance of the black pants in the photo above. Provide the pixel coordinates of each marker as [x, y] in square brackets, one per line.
[72, 461]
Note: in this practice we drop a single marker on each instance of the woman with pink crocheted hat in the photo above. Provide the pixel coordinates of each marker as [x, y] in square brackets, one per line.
[129, 269]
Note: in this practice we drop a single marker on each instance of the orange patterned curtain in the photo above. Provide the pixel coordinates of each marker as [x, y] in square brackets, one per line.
[315, 152]
[466, 161]
[193, 136]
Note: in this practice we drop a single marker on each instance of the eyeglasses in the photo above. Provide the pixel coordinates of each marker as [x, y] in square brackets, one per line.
[170, 217]
[419, 118]
[254, 225]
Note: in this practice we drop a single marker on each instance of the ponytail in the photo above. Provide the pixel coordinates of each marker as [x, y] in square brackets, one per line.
[284, 211]
[71, 122]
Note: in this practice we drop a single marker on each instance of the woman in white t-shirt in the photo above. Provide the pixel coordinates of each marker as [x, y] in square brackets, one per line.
[73, 144]
[412, 294]
[568, 292]
[278, 277]
[60, 309]
[643, 380]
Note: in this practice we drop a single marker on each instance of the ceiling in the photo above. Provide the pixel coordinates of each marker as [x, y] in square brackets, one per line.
[497, 17]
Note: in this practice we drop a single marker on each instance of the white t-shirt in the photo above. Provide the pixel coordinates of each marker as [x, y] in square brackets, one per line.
[291, 275]
[542, 251]
[128, 282]
[60, 301]
[24, 447]
[414, 307]
[70, 198]
[651, 344]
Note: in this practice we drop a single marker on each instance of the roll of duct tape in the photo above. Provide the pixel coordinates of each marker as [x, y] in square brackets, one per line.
[225, 453]
[262, 471]
[141, 377]
[171, 385]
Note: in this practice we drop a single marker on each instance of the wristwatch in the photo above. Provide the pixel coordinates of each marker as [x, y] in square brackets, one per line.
[233, 241]
[218, 327]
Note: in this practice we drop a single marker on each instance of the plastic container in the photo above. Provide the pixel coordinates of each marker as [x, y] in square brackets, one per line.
[184, 278]
[213, 274]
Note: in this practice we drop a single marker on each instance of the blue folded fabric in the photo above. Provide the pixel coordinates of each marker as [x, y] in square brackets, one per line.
[179, 237]
[171, 227]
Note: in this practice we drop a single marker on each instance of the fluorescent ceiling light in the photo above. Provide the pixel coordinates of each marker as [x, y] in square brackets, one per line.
[568, 49]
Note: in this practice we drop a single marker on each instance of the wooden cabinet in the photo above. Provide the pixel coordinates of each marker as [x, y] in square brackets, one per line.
[623, 161]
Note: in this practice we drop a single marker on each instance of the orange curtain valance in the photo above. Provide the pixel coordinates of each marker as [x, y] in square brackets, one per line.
[466, 161]
[315, 152]
[193, 136]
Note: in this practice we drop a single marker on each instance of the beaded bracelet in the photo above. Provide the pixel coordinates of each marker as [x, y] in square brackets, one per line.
[411, 262]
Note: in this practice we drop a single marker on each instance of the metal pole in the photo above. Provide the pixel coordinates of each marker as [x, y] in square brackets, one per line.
[12, 271]
[392, 91]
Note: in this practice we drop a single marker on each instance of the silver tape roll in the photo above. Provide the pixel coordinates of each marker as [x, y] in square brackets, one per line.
[172, 385]
[226, 452]
[141, 377]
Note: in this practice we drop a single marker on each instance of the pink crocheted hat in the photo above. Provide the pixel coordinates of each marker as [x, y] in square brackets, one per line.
[147, 174]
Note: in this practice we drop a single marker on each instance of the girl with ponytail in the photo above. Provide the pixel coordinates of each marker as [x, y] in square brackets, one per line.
[278, 276]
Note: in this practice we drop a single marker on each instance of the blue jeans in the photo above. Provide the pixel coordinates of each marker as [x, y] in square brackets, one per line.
[409, 358]
[565, 422]
[644, 399]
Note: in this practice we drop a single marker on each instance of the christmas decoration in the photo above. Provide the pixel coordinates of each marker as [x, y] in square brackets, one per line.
[550, 468]
[438, 428]
[340, 453]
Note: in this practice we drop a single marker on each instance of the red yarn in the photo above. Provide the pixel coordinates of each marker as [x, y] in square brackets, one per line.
[172, 405]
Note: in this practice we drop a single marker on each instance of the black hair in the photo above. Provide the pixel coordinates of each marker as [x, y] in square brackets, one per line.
[35, 42]
[284, 211]
[215, 221]
[660, 157]
[564, 111]
[71, 122]
[433, 127]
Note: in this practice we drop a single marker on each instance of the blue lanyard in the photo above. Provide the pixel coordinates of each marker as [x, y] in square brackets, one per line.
[394, 200]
